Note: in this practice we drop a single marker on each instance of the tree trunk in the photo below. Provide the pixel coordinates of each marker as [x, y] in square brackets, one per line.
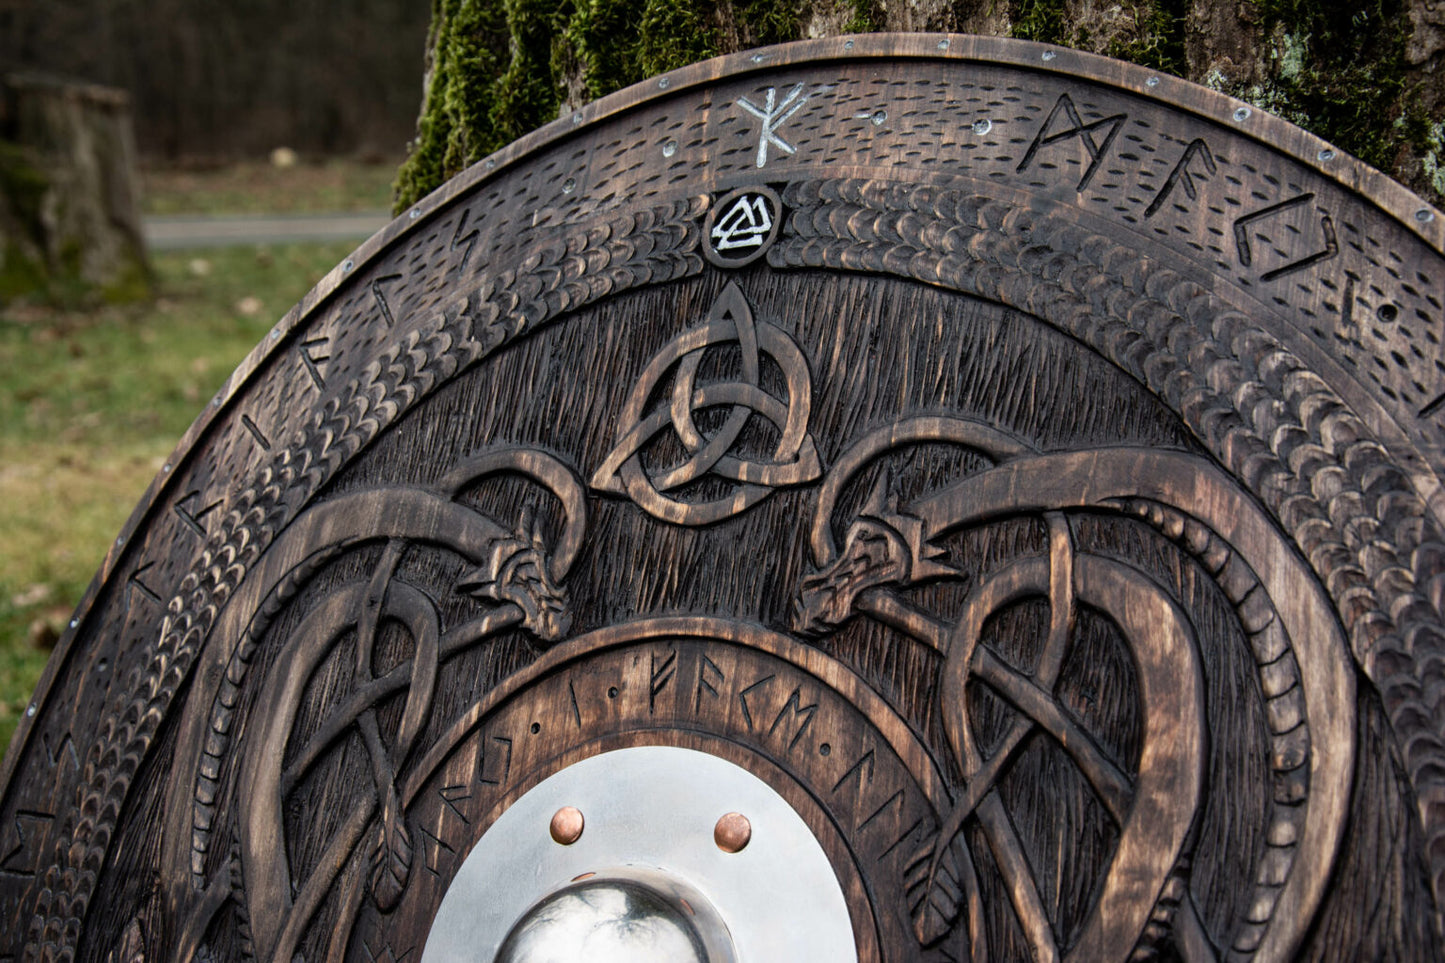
[1368, 77]
[69, 213]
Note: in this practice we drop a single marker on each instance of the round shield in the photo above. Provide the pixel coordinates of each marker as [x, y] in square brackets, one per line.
[891, 498]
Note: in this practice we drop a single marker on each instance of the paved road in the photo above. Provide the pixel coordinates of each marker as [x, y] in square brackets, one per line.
[171, 233]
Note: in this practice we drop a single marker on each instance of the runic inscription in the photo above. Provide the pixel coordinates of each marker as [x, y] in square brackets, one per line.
[772, 115]
[1248, 233]
[1195, 163]
[1071, 126]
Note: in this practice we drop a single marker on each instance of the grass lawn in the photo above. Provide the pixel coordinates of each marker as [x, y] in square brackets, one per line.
[259, 187]
[91, 403]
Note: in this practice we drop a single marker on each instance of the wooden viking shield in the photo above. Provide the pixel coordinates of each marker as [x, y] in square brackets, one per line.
[939, 497]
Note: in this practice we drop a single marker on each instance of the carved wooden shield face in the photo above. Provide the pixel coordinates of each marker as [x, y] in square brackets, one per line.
[1024, 468]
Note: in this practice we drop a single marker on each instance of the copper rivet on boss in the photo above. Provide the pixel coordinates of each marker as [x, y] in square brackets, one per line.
[567, 825]
[732, 833]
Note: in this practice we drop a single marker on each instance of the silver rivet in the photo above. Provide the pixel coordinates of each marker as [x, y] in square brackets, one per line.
[30, 710]
[120, 540]
[577, 118]
[275, 335]
[1241, 114]
[847, 45]
[415, 213]
[568, 186]
[663, 82]
[1326, 154]
[491, 163]
[982, 127]
[1049, 54]
[74, 623]
[1424, 215]
[880, 117]
[347, 265]
[759, 58]
[1152, 82]
[669, 148]
[166, 467]
[943, 45]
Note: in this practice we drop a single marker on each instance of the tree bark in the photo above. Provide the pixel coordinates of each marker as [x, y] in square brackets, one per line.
[1368, 77]
[69, 213]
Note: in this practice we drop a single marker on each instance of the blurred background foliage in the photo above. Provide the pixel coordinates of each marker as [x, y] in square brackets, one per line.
[217, 80]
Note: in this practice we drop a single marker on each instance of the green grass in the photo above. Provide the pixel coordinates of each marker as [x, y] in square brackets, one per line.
[91, 403]
[259, 187]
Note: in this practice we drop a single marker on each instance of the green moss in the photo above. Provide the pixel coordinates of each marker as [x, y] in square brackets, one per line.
[1157, 41]
[1041, 20]
[865, 17]
[20, 275]
[133, 283]
[22, 187]
[763, 22]
[27, 272]
[671, 34]
[1339, 71]
[505, 67]
[471, 45]
[1145, 32]
[603, 45]
[1433, 157]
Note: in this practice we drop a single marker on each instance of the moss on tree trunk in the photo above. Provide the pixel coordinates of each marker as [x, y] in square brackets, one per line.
[1369, 77]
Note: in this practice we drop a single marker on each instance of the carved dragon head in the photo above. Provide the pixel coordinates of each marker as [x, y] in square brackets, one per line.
[883, 546]
[516, 571]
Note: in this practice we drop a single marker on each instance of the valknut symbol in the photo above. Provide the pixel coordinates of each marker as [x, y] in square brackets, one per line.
[746, 225]
[794, 460]
[742, 226]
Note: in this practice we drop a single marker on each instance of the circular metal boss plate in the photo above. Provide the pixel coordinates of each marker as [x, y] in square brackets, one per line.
[1027, 466]
[653, 808]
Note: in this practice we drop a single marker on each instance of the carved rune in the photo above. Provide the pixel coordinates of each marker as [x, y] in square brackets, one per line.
[794, 460]
[1096, 150]
[774, 115]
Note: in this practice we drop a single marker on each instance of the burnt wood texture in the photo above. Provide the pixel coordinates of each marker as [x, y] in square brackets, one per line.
[1028, 465]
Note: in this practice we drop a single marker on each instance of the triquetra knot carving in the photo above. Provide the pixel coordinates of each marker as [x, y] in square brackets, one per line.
[794, 459]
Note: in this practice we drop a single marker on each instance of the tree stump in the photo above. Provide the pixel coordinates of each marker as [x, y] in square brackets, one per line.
[69, 202]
